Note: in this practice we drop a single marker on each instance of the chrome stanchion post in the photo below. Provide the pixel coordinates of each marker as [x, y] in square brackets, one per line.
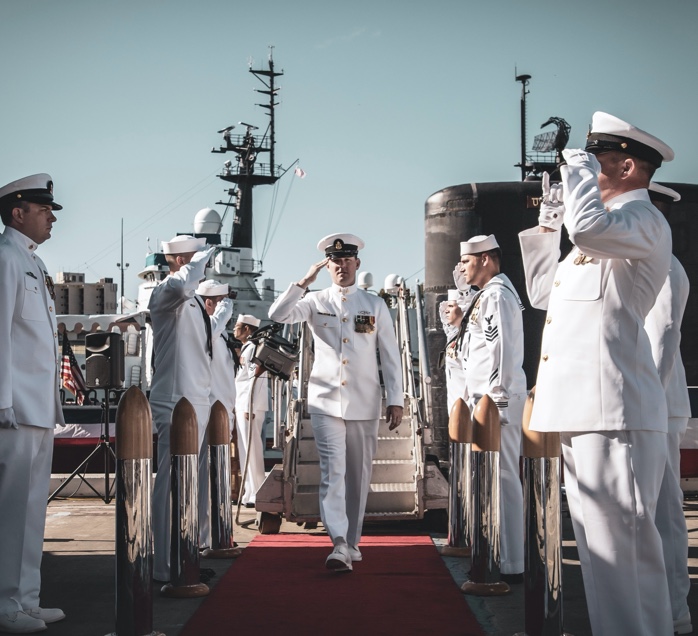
[134, 537]
[542, 530]
[184, 476]
[484, 572]
[460, 432]
[222, 543]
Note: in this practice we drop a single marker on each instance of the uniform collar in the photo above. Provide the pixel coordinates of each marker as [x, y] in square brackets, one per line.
[633, 195]
[20, 239]
[343, 291]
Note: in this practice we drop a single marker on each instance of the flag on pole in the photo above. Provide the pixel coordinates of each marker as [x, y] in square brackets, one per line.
[71, 376]
[299, 172]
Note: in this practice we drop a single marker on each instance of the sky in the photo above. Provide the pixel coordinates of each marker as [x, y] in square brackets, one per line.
[382, 103]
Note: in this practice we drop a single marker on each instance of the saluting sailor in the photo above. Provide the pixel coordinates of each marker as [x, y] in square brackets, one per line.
[30, 405]
[597, 383]
[451, 315]
[250, 426]
[344, 393]
[220, 309]
[182, 351]
[663, 326]
[492, 357]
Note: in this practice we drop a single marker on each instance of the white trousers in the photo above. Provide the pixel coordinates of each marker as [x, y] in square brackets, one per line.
[162, 525]
[612, 480]
[25, 473]
[346, 449]
[253, 448]
[671, 524]
[511, 513]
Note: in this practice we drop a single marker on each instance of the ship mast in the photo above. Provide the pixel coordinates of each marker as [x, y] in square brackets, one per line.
[246, 172]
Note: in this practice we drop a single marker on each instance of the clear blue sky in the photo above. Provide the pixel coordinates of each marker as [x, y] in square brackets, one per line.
[383, 102]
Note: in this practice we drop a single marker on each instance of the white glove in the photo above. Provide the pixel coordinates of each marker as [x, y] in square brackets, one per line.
[225, 306]
[503, 416]
[582, 159]
[442, 310]
[202, 256]
[8, 419]
[552, 208]
[459, 279]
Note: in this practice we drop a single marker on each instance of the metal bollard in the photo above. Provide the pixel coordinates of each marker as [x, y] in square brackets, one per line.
[460, 431]
[134, 537]
[184, 476]
[484, 572]
[543, 530]
[222, 544]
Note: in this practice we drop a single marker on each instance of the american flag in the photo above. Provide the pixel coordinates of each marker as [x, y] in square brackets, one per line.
[71, 376]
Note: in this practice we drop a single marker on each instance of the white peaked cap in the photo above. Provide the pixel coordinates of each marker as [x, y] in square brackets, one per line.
[183, 244]
[478, 244]
[341, 244]
[667, 192]
[248, 319]
[212, 288]
[453, 294]
[610, 133]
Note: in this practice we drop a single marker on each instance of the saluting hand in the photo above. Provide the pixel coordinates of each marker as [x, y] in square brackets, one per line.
[314, 270]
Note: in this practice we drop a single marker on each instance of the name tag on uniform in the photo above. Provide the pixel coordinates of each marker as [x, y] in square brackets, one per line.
[365, 324]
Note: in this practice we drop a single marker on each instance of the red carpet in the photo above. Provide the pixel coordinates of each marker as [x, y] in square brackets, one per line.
[280, 586]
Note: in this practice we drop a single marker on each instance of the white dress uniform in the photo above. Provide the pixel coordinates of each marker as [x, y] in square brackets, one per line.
[29, 381]
[344, 392]
[182, 369]
[597, 385]
[493, 359]
[453, 364]
[251, 447]
[223, 390]
[663, 326]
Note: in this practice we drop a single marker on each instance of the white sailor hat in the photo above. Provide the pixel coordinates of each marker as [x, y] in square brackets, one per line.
[248, 319]
[340, 245]
[453, 295]
[478, 244]
[212, 288]
[183, 244]
[609, 133]
[664, 193]
[37, 188]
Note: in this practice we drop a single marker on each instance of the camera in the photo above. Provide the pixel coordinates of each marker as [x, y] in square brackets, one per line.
[272, 351]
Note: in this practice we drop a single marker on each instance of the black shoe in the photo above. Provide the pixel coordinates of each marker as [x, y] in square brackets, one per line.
[206, 574]
[512, 579]
[249, 505]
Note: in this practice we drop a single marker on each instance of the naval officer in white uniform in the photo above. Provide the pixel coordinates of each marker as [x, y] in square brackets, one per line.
[597, 383]
[344, 393]
[250, 426]
[29, 399]
[219, 307]
[492, 356]
[663, 326]
[451, 314]
[182, 352]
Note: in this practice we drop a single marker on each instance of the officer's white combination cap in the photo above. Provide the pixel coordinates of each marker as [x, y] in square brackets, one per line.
[478, 244]
[453, 294]
[183, 244]
[36, 188]
[248, 319]
[212, 288]
[338, 245]
[609, 133]
[664, 191]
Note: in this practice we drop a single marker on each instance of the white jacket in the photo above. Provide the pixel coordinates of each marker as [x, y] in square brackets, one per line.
[596, 370]
[243, 383]
[663, 326]
[222, 363]
[30, 360]
[181, 359]
[349, 325]
[494, 345]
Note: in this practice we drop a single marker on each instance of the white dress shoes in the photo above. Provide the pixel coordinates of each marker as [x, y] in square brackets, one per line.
[339, 560]
[46, 614]
[355, 553]
[20, 623]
